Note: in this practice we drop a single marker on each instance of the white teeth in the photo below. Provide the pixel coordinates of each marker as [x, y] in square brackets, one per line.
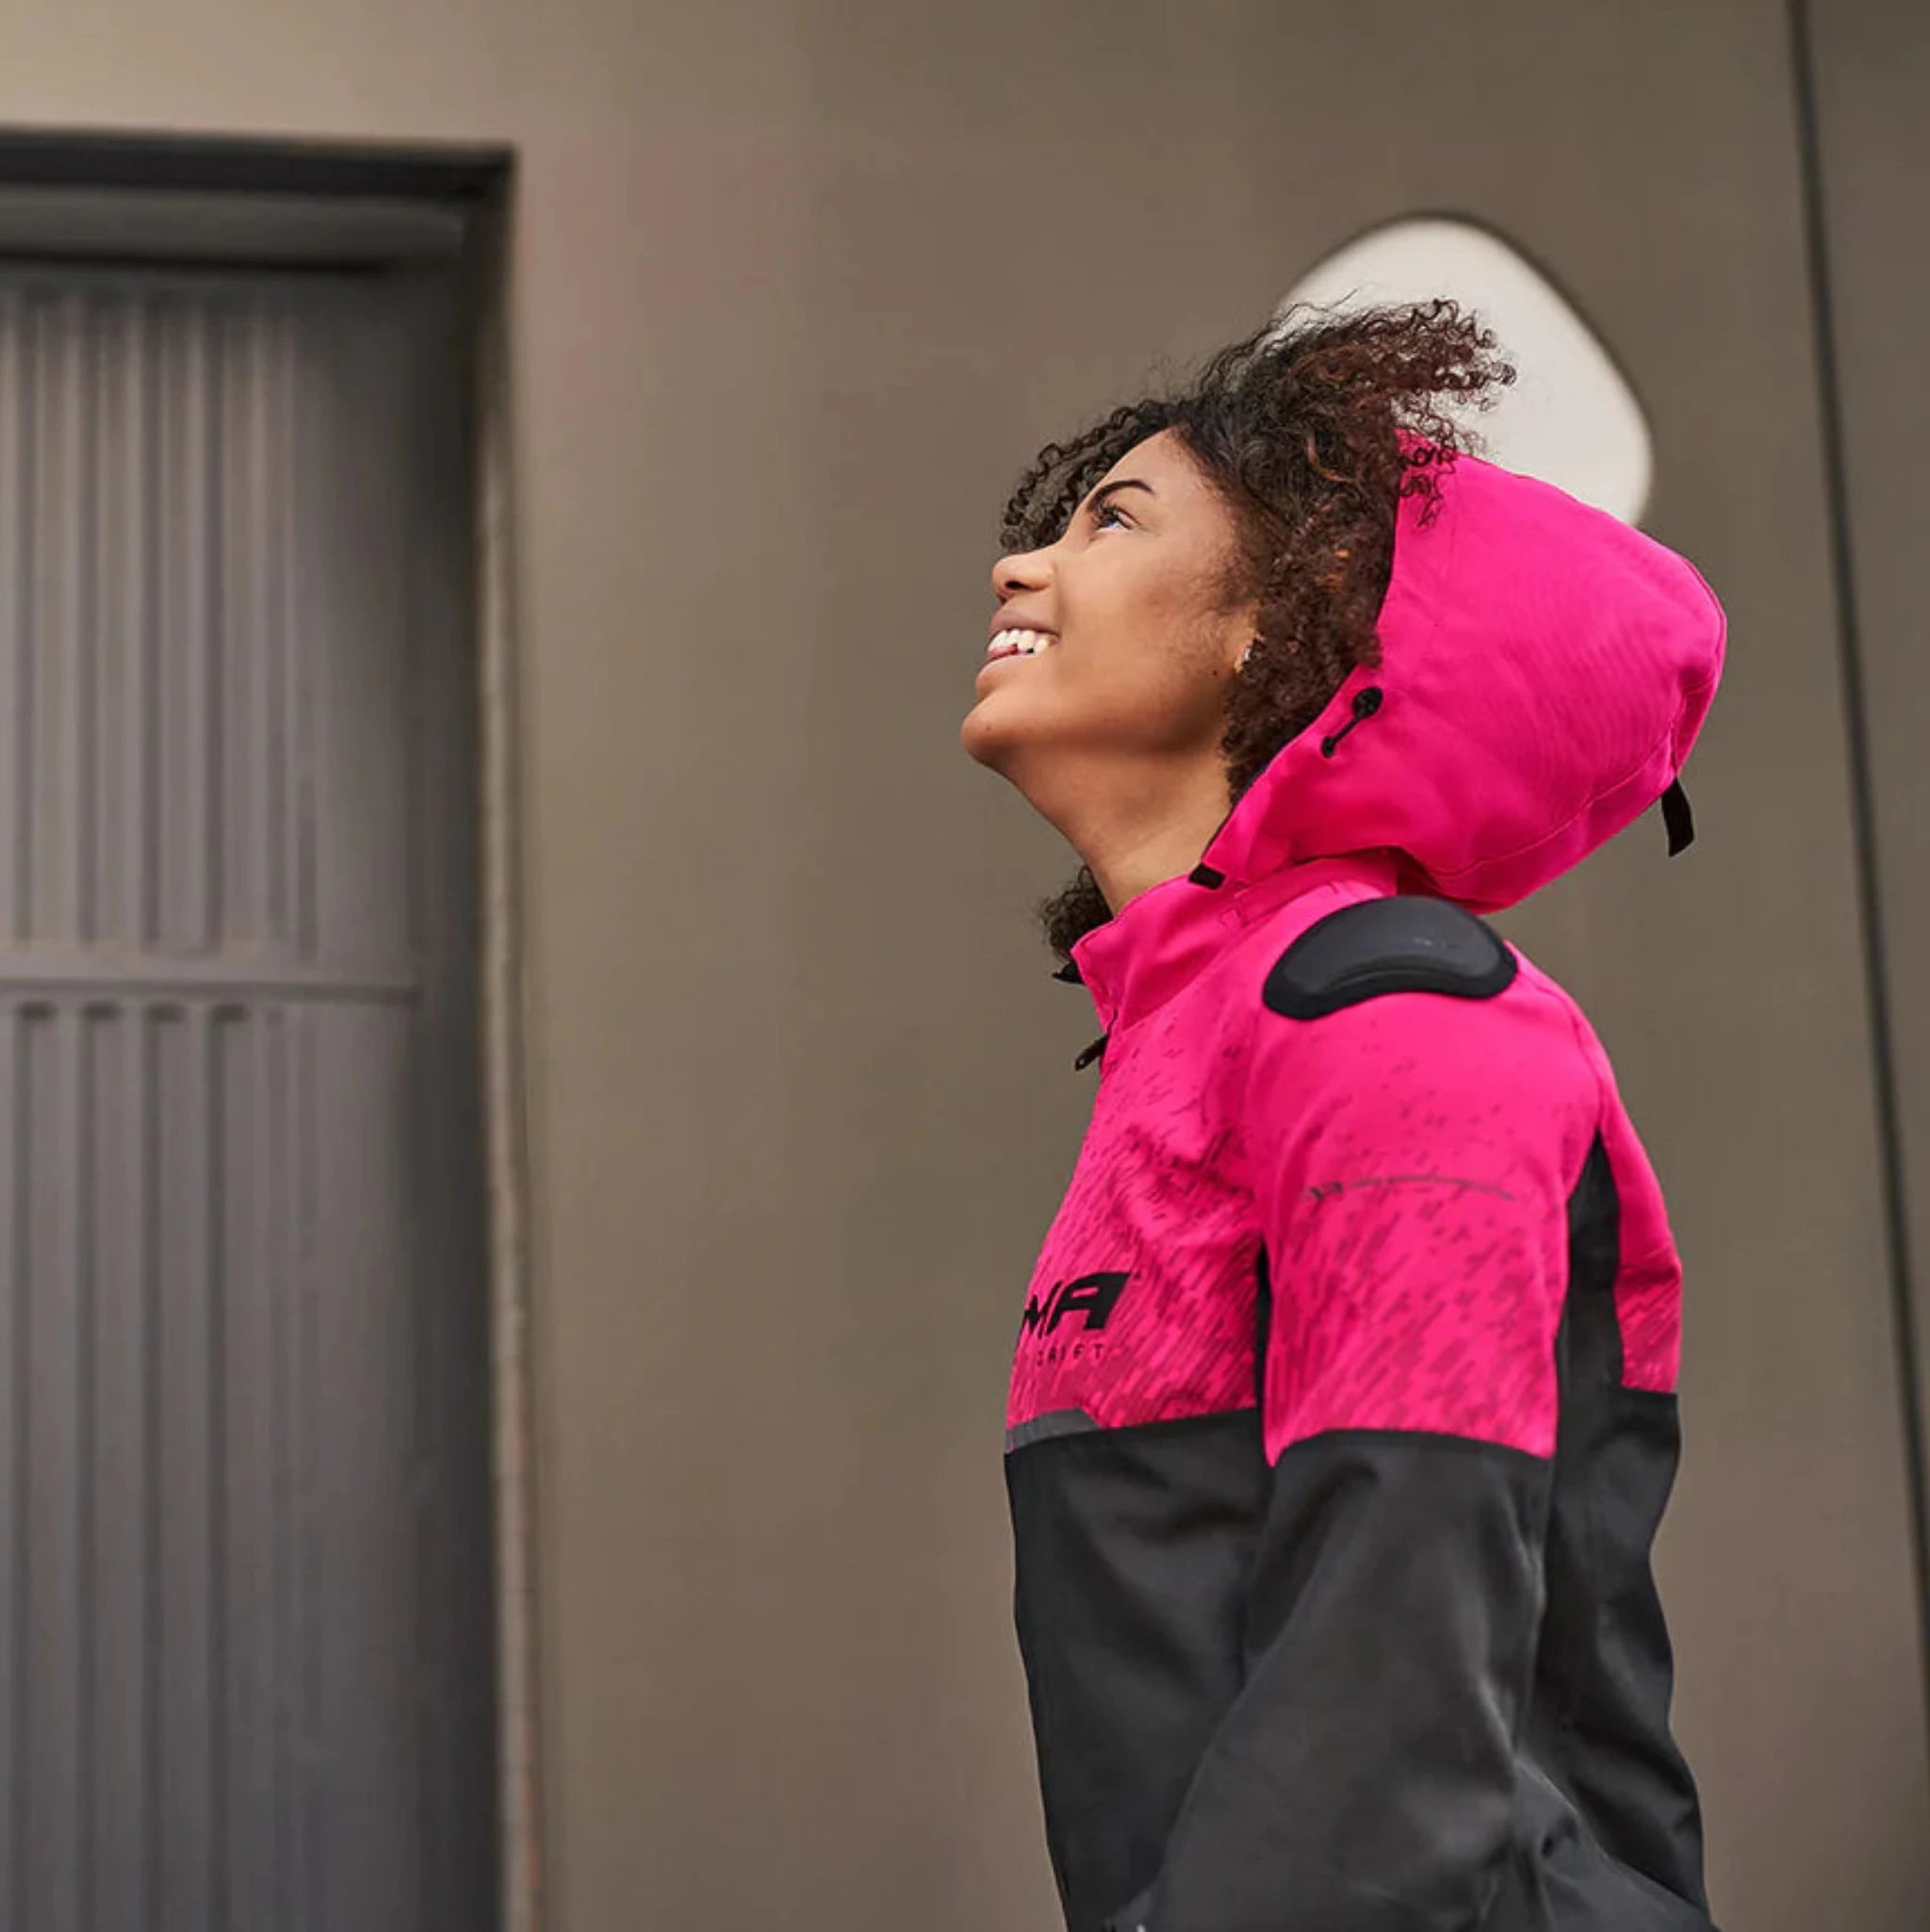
[1017, 642]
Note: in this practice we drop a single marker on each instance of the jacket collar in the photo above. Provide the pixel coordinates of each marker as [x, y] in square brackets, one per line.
[1160, 942]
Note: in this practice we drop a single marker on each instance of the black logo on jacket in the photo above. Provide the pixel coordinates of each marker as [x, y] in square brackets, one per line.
[1092, 1297]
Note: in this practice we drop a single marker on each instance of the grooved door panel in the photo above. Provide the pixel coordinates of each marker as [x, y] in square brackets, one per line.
[243, 1535]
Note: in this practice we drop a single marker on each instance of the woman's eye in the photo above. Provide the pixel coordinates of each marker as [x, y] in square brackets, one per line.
[1102, 512]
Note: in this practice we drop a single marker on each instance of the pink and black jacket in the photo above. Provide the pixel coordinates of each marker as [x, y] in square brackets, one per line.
[1343, 1412]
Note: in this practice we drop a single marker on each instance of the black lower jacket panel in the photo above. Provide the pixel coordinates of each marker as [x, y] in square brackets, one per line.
[1326, 1697]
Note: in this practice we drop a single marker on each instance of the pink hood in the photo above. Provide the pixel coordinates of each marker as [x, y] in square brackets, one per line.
[1544, 670]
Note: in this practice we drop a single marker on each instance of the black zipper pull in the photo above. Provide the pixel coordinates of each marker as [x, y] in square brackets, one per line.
[1092, 1053]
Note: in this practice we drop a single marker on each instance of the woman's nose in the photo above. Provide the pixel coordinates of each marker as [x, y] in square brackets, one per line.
[1019, 570]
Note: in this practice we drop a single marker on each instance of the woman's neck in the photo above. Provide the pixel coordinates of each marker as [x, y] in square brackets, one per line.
[1133, 839]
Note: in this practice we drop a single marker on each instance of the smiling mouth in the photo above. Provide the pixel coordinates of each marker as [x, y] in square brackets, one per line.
[1018, 643]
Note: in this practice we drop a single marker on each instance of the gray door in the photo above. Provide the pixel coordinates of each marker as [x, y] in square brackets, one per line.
[244, 1642]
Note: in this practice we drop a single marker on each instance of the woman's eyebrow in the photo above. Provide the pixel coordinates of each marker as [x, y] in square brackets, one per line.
[1123, 483]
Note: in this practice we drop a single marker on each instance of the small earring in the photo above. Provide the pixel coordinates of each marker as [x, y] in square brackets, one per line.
[1241, 665]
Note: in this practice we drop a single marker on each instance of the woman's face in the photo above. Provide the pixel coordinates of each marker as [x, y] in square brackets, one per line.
[1140, 641]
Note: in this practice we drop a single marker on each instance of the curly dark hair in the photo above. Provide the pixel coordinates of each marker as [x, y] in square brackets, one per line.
[1298, 426]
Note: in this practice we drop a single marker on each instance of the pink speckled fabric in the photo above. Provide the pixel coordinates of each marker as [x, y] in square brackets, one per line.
[1412, 1159]
[1406, 1163]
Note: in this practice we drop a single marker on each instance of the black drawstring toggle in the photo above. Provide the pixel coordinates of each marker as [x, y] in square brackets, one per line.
[1092, 1053]
[1365, 706]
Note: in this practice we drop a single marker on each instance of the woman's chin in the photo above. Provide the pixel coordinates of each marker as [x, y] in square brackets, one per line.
[984, 736]
[993, 727]
[1003, 727]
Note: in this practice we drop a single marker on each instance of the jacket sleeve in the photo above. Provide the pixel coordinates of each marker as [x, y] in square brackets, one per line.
[1412, 1158]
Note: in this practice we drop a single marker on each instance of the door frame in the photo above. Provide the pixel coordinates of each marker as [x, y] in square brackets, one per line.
[156, 201]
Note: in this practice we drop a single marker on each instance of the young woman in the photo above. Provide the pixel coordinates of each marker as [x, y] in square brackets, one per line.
[1343, 1412]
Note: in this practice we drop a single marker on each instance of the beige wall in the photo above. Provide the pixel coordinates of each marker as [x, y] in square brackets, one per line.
[796, 288]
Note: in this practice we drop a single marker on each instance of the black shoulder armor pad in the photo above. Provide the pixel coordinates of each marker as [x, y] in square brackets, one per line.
[1388, 945]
